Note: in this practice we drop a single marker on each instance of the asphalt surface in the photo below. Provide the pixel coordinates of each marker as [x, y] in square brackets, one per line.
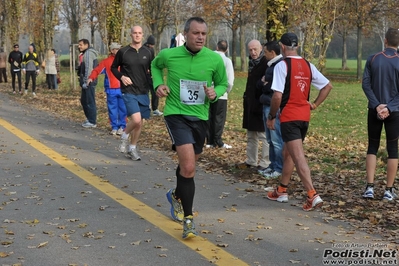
[70, 198]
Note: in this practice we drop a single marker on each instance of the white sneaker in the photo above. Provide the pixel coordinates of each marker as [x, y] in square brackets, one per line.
[113, 132]
[274, 174]
[388, 195]
[226, 146]
[157, 113]
[34, 94]
[265, 171]
[369, 193]
[134, 155]
[119, 131]
[208, 146]
[123, 146]
[87, 124]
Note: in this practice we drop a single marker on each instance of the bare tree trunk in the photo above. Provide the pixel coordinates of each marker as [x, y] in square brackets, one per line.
[326, 35]
[344, 50]
[123, 26]
[2, 24]
[243, 55]
[359, 52]
[233, 47]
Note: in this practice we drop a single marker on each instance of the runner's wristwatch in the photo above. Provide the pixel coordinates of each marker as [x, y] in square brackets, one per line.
[270, 116]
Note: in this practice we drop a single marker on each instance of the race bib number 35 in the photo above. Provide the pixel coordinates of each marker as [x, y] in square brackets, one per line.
[192, 92]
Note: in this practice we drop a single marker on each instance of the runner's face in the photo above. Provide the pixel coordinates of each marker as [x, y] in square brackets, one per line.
[137, 35]
[196, 36]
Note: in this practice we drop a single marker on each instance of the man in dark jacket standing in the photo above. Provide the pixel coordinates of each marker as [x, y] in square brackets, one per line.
[15, 60]
[273, 137]
[253, 110]
[88, 96]
[381, 86]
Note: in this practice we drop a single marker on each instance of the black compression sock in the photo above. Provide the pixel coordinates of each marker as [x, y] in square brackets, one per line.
[185, 191]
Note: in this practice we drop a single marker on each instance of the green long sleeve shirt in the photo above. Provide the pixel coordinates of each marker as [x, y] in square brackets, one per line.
[185, 75]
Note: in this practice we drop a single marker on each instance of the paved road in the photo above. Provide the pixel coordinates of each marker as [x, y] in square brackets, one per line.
[70, 198]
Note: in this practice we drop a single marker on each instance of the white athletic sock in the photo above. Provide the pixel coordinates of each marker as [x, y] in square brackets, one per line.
[125, 136]
[131, 147]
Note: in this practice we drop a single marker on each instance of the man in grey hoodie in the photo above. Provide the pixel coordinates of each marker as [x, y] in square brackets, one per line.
[87, 62]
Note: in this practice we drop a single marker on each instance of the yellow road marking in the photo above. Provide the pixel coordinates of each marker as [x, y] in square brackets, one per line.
[199, 244]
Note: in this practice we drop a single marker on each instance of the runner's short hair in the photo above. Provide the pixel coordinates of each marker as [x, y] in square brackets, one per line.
[392, 37]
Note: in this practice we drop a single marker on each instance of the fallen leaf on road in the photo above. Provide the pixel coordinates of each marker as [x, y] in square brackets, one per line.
[4, 254]
[42, 244]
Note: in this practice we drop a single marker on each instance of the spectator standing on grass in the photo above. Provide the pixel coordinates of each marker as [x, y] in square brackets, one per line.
[381, 86]
[191, 69]
[130, 66]
[88, 61]
[112, 87]
[3, 65]
[50, 69]
[57, 67]
[292, 80]
[253, 110]
[30, 67]
[15, 59]
[273, 137]
[154, 98]
[218, 109]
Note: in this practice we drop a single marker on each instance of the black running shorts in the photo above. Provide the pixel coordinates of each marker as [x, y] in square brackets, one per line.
[187, 129]
[294, 130]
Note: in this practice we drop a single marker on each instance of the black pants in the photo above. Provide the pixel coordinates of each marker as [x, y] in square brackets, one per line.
[51, 80]
[374, 128]
[217, 119]
[30, 75]
[88, 101]
[154, 99]
[18, 74]
[3, 74]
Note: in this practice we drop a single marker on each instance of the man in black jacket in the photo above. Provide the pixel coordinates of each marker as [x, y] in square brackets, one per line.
[15, 60]
[273, 137]
[253, 110]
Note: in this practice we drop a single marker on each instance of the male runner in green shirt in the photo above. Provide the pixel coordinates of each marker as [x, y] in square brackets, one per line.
[196, 76]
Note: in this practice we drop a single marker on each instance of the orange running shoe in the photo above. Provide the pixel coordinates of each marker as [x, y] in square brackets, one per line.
[312, 203]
